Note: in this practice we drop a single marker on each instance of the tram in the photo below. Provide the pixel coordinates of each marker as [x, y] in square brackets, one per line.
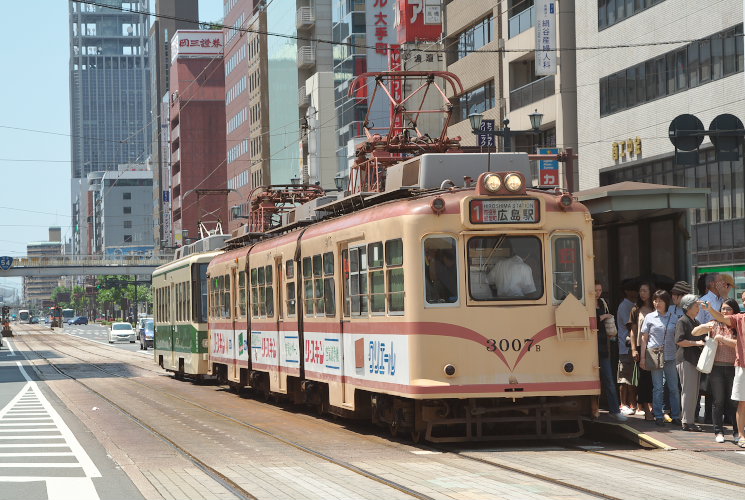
[24, 316]
[180, 309]
[450, 310]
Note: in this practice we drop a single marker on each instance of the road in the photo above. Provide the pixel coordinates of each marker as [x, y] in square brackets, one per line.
[147, 435]
[100, 334]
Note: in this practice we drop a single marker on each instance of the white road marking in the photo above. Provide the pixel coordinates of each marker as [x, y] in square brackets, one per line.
[58, 488]
[10, 348]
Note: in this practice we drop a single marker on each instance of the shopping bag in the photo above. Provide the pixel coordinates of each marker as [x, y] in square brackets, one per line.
[706, 359]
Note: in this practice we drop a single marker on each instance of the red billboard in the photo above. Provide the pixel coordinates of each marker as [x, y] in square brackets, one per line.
[418, 20]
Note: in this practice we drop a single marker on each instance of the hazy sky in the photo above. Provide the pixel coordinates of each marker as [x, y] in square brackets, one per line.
[34, 95]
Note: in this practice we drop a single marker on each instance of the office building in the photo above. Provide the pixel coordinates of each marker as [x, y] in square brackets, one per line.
[197, 133]
[627, 98]
[171, 15]
[505, 85]
[109, 92]
[38, 289]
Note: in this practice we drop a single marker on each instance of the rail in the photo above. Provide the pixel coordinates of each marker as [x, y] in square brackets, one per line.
[522, 21]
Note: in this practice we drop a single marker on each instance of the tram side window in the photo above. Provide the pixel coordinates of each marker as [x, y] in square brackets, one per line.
[394, 261]
[567, 259]
[440, 270]
[199, 284]
[241, 302]
[377, 277]
[358, 281]
[290, 288]
[317, 285]
[505, 267]
[177, 297]
[329, 290]
[262, 292]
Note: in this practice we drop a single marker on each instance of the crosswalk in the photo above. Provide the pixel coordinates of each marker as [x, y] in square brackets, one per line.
[37, 445]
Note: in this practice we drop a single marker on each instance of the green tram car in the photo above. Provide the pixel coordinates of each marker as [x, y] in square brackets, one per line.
[180, 309]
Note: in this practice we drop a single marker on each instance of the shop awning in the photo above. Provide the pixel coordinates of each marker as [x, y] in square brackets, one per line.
[631, 201]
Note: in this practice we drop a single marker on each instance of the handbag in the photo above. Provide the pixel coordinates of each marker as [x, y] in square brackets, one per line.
[655, 358]
[609, 323]
[706, 359]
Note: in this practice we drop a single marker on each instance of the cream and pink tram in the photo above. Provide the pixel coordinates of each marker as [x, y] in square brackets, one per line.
[455, 313]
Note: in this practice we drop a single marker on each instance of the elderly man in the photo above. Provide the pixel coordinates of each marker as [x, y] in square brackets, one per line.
[718, 286]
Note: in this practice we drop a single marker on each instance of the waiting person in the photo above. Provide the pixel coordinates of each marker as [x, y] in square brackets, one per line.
[736, 321]
[658, 326]
[687, 359]
[722, 373]
[607, 377]
[644, 389]
[679, 289]
[625, 360]
[718, 287]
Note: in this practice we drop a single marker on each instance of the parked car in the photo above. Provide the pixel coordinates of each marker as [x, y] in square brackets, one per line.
[121, 331]
[33, 321]
[80, 320]
[147, 334]
[47, 320]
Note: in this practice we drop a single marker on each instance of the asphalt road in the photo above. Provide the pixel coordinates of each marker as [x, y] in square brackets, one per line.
[100, 334]
[46, 451]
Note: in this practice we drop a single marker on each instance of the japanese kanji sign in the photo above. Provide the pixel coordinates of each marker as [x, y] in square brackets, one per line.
[197, 43]
[545, 37]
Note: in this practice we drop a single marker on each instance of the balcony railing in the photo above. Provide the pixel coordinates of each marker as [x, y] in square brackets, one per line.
[303, 99]
[305, 18]
[532, 92]
[176, 156]
[522, 21]
[306, 56]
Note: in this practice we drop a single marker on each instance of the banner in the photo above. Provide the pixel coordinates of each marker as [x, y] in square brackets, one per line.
[545, 37]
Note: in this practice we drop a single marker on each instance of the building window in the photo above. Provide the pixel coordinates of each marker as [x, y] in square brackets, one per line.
[126, 196]
[611, 12]
[127, 238]
[695, 64]
[127, 224]
[127, 210]
[477, 100]
[475, 37]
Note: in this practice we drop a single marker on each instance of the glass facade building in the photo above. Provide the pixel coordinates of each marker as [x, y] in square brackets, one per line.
[284, 118]
[109, 83]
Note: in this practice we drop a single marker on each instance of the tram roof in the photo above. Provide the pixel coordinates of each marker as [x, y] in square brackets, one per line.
[629, 201]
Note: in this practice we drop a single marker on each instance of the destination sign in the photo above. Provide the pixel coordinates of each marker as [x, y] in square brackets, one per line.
[504, 211]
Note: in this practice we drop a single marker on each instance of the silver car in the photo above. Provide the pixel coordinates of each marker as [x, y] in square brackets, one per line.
[121, 332]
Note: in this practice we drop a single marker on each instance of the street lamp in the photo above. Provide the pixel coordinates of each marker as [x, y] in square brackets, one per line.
[339, 181]
[506, 132]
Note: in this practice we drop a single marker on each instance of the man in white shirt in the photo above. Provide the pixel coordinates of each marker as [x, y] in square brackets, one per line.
[512, 277]
[719, 286]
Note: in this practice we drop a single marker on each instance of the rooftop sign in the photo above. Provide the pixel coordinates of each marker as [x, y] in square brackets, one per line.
[197, 43]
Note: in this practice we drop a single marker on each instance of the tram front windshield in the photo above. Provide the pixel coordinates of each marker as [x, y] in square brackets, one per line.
[505, 267]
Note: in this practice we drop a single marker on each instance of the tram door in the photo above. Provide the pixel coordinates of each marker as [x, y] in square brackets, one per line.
[280, 325]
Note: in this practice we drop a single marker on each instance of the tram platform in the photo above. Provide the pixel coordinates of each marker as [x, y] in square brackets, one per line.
[669, 437]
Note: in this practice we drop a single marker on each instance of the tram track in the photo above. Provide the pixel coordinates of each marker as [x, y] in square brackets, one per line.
[242, 493]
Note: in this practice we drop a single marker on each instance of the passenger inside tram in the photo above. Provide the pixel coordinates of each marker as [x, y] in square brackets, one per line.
[441, 274]
[505, 267]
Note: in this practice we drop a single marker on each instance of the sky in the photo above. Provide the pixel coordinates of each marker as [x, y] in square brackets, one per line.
[34, 95]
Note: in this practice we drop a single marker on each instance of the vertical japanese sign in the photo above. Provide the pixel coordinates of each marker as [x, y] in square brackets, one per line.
[397, 86]
[487, 140]
[548, 170]
[381, 34]
[545, 37]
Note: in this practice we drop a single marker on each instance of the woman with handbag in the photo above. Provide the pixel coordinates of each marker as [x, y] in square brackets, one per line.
[607, 329]
[644, 382]
[658, 356]
[722, 374]
[689, 350]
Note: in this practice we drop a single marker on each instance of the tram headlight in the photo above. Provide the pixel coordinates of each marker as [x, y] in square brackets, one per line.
[492, 183]
[513, 182]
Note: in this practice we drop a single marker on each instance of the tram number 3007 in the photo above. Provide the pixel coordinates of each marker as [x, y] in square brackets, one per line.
[505, 345]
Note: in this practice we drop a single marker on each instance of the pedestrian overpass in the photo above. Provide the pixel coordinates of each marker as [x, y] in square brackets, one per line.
[80, 265]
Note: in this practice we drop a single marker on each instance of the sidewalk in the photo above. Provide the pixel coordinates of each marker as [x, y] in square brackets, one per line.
[668, 437]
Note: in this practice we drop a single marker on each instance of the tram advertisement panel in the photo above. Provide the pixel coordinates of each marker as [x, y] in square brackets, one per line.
[383, 358]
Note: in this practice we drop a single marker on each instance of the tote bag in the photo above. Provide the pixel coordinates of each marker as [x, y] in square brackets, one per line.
[706, 359]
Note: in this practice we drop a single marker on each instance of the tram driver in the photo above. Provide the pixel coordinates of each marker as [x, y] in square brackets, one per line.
[441, 271]
[511, 277]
